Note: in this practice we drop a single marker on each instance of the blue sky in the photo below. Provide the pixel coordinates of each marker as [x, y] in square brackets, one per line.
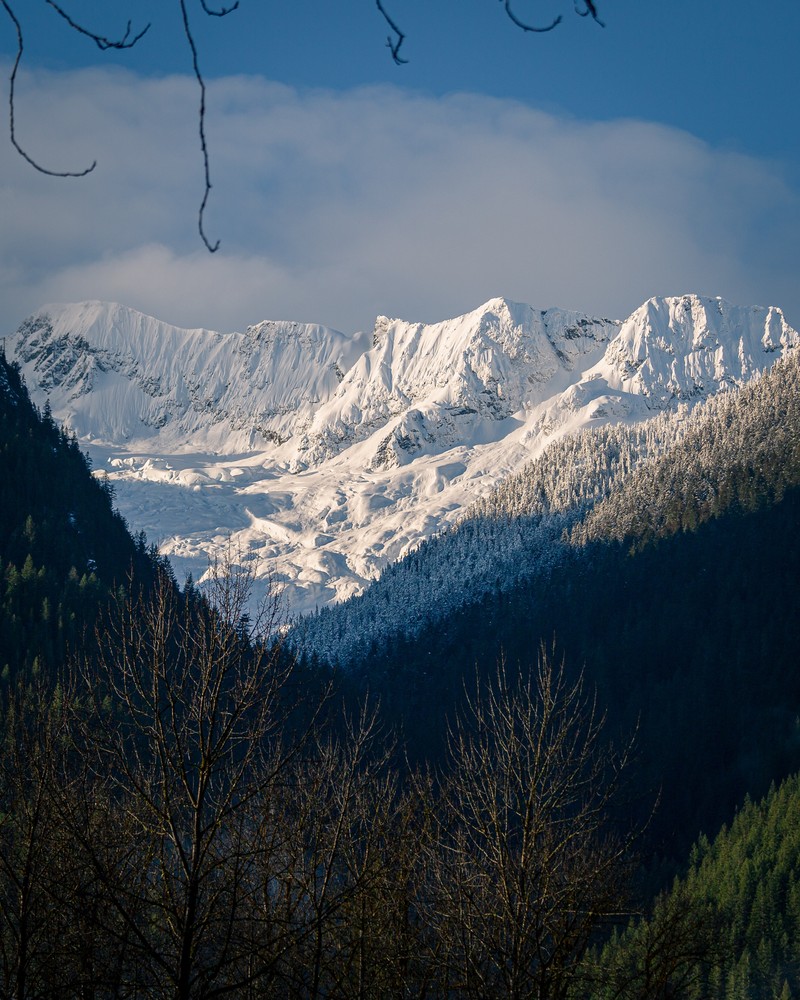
[588, 167]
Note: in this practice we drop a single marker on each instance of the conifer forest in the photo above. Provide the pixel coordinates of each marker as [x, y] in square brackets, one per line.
[553, 753]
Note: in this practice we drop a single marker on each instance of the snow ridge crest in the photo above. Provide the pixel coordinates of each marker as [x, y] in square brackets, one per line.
[327, 457]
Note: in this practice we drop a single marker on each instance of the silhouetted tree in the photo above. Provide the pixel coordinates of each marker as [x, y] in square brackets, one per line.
[528, 866]
[186, 734]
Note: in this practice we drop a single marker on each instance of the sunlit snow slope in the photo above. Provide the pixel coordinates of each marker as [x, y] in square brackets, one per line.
[324, 456]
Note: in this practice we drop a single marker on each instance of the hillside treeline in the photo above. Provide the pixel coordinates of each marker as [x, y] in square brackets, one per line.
[738, 908]
[187, 811]
[63, 547]
[174, 824]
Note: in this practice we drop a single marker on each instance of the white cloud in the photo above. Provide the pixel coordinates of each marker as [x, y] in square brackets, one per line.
[335, 206]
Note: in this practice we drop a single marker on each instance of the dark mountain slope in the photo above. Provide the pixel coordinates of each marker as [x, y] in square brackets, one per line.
[685, 621]
[62, 545]
[742, 893]
[694, 640]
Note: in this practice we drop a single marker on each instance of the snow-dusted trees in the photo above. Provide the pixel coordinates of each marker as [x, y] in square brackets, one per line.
[739, 450]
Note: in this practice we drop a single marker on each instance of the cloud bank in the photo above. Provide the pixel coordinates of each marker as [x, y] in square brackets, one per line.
[335, 206]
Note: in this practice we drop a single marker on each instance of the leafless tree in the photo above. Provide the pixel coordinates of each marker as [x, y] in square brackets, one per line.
[528, 865]
[28, 835]
[55, 936]
[186, 733]
[346, 880]
[163, 834]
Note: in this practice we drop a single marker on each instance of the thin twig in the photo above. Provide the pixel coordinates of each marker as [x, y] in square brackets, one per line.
[212, 248]
[11, 95]
[393, 46]
[590, 9]
[126, 42]
[221, 12]
[528, 27]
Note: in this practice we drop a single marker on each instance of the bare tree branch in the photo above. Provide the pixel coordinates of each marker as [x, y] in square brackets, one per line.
[188, 726]
[394, 42]
[103, 43]
[221, 12]
[211, 247]
[393, 46]
[529, 864]
[590, 9]
[11, 96]
[528, 27]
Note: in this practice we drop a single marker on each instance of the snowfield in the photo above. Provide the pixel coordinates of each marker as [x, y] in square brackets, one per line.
[323, 457]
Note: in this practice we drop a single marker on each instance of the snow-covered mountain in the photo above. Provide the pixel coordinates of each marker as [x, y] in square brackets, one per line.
[626, 482]
[118, 376]
[422, 389]
[326, 457]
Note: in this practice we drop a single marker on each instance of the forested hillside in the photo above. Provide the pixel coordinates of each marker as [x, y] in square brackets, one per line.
[686, 627]
[63, 548]
[741, 895]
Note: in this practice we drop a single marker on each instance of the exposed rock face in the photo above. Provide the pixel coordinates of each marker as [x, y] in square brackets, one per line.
[428, 386]
[116, 375]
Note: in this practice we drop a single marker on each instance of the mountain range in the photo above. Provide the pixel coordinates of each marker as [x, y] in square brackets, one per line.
[635, 521]
[326, 458]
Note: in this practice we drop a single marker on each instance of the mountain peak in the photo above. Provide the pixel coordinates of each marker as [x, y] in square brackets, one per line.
[331, 456]
[114, 374]
[690, 345]
[422, 387]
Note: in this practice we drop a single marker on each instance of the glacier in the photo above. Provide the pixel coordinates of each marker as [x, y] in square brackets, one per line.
[320, 458]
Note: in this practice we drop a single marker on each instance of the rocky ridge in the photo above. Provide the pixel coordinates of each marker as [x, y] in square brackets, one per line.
[323, 457]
